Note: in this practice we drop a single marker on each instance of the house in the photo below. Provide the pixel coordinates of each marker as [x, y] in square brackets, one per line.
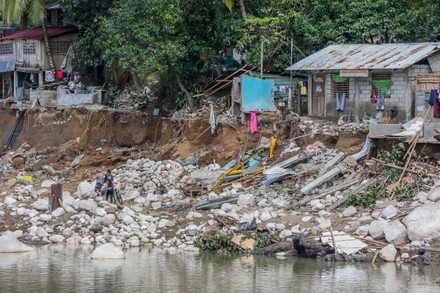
[23, 59]
[368, 78]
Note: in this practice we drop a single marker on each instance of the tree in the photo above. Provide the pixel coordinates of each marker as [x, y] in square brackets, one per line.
[230, 4]
[25, 13]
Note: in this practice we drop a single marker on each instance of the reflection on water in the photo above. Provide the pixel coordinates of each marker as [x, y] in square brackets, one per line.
[67, 269]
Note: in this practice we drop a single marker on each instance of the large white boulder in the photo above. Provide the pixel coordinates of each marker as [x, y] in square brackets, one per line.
[434, 194]
[8, 243]
[87, 205]
[349, 212]
[9, 200]
[423, 222]
[395, 232]
[58, 212]
[107, 251]
[86, 188]
[388, 253]
[41, 205]
[246, 199]
[376, 228]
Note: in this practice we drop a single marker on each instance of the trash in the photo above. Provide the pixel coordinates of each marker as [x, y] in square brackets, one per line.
[76, 161]
[344, 243]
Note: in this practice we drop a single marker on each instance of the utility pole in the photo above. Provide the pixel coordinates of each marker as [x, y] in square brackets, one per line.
[261, 60]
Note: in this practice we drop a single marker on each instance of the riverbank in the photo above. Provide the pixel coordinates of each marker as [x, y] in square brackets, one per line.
[316, 193]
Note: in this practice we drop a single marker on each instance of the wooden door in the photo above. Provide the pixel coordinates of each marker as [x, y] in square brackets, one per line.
[318, 94]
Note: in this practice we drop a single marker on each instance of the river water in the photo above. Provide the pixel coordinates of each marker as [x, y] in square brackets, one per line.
[54, 268]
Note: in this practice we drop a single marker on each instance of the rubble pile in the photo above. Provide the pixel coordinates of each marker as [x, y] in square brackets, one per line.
[299, 197]
[132, 99]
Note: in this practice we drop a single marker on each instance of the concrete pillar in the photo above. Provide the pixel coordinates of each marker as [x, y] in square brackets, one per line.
[309, 93]
[15, 82]
[40, 78]
[356, 100]
[321, 180]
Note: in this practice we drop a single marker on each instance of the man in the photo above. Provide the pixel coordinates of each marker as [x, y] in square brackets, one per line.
[99, 179]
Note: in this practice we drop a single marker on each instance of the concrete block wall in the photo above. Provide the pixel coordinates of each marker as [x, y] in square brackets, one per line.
[418, 70]
[398, 96]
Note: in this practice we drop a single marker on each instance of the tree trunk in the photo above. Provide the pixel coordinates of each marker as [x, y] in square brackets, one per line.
[48, 51]
[242, 8]
[189, 97]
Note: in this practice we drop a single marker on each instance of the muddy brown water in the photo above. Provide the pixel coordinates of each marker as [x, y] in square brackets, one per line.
[54, 268]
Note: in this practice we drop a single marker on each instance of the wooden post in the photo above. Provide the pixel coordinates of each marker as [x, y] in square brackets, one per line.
[56, 196]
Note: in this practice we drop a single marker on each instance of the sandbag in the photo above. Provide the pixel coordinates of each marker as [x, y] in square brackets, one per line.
[8, 243]
[107, 251]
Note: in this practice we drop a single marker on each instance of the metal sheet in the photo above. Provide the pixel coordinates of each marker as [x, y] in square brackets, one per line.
[367, 56]
[256, 94]
[7, 66]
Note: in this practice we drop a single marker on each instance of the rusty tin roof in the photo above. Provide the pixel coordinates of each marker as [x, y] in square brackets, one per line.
[366, 56]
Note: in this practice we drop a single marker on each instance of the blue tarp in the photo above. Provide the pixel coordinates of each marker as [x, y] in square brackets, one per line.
[7, 66]
[256, 94]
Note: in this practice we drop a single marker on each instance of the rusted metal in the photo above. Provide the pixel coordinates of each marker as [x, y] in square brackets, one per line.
[367, 56]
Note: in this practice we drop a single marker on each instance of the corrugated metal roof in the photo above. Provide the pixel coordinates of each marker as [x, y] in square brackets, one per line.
[36, 33]
[366, 56]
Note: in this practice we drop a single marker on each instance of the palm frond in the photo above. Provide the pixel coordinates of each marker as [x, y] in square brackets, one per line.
[229, 4]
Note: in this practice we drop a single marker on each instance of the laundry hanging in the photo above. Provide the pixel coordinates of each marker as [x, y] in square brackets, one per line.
[212, 118]
[253, 122]
[340, 101]
[436, 103]
[380, 102]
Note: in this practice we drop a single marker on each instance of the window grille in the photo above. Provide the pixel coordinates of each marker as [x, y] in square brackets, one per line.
[379, 76]
[341, 88]
[59, 47]
[29, 48]
[6, 49]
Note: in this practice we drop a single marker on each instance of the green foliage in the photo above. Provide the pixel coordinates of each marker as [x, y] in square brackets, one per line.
[378, 190]
[23, 13]
[218, 242]
[263, 240]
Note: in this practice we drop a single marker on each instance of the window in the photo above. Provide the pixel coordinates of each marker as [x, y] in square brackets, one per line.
[59, 47]
[381, 82]
[340, 85]
[29, 48]
[6, 49]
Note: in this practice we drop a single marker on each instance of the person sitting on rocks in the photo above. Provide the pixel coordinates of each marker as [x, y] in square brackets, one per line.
[99, 179]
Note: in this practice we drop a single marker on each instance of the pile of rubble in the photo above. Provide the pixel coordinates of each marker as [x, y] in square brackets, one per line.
[295, 197]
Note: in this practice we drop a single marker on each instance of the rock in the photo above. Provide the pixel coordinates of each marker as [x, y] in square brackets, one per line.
[434, 194]
[85, 189]
[306, 219]
[324, 224]
[246, 200]
[421, 197]
[376, 228]
[41, 205]
[279, 203]
[96, 228]
[423, 223]
[67, 232]
[127, 220]
[404, 255]
[100, 212]
[9, 201]
[395, 232]
[265, 215]
[45, 217]
[388, 253]
[285, 234]
[349, 212]
[212, 196]
[389, 212]
[41, 232]
[108, 219]
[107, 251]
[56, 238]
[8, 243]
[87, 205]
[47, 183]
[362, 230]
[191, 230]
[58, 212]
[156, 205]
